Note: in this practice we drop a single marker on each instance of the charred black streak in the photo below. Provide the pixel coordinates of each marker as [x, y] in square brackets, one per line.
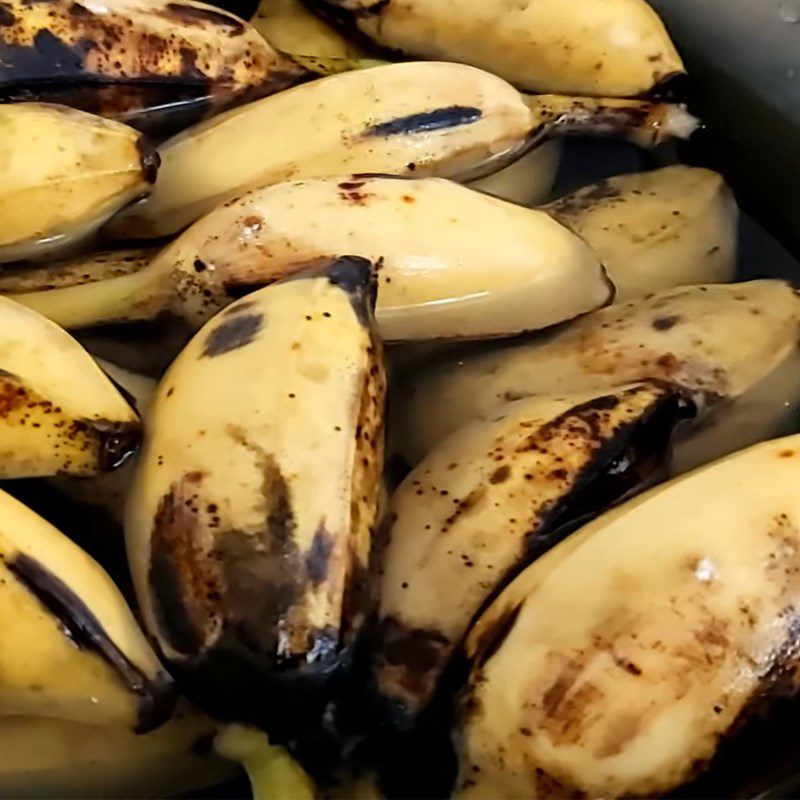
[231, 334]
[355, 275]
[182, 583]
[450, 117]
[155, 696]
[318, 556]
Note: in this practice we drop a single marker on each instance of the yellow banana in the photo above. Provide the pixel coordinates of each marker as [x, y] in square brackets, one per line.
[615, 47]
[310, 41]
[71, 647]
[528, 181]
[60, 413]
[109, 490]
[249, 523]
[64, 174]
[56, 758]
[420, 118]
[715, 341]
[655, 230]
[158, 65]
[490, 499]
[683, 637]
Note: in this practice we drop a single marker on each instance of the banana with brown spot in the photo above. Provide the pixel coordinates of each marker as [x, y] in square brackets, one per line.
[615, 47]
[421, 118]
[154, 64]
[71, 647]
[64, 174]
[109, 490]
[249, 524]
[655, 230]
[715, 341]
[686, 623]
[60, 413]
[529, 475]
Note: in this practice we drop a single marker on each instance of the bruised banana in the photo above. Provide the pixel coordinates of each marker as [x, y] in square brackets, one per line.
[60, 414]
[109, 490]
[615, 47]
[249, 523]
[155, 64]
[71, 647]
[64, 174]
[56, 758]
[528, 474]
[311, 42]
[715, 341]
[687, 642]
[655, 230]
[421, 119]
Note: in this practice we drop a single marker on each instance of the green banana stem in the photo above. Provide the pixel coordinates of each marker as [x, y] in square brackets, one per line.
[273, 773]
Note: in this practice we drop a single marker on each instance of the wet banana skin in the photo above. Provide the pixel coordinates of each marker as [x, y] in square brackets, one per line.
[131, 57]
[529, 473]
[260, 576]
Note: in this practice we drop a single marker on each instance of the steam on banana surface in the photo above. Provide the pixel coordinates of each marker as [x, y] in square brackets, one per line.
[250, 519]
[665, 228]
[158, 65]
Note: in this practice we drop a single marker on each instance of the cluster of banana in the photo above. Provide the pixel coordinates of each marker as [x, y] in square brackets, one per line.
[516, 569]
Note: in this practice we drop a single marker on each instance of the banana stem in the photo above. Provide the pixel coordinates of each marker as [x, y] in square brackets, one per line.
[273, 773]
[644, 123]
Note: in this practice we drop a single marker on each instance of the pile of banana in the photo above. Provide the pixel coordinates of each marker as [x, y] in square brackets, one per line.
[434, 474]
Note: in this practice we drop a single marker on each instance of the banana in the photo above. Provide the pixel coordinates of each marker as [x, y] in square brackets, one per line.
[71, 648]
[109, 490]
[273, 773]
[57, 758]
[65, 173]
[250, 518]
[543, 464]
[311, 42]
[427, 234]
[715, 341]
[655, 230]
[528, 181]
[421, 118]
[615, 47]
[628, 663]
[155, 64]
[60, 413]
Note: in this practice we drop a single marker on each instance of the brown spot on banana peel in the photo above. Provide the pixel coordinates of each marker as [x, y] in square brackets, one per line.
[424, 122]
[155, 696]
[617, 463]
[232, 334]
[127, 64]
